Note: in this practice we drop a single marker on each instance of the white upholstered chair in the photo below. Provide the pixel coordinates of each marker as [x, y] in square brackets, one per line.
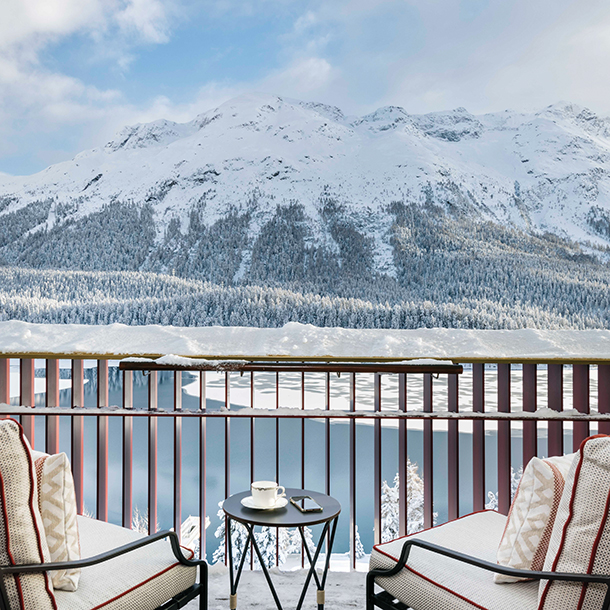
[451, 566]
[119, 569]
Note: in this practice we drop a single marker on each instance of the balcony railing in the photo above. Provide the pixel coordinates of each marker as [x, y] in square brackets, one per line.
[473, 427]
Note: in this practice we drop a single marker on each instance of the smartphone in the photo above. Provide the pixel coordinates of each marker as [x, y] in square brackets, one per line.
[306, 504]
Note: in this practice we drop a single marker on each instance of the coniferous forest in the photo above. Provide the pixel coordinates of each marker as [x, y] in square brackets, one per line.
[444, 271]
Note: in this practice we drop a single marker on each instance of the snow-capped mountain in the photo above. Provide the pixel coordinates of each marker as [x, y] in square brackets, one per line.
[546, 171]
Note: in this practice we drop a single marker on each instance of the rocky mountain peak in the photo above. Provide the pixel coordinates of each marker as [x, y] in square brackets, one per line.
[259, 153]
[451, 126]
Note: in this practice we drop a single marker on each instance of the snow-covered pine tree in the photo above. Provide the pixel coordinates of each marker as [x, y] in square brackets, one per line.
[389, 510]
[415, 504]
[139, 521]
[266, 540]
[239, 535]
[296, 541]
[289, 542]
[358, 544]
[515, 477]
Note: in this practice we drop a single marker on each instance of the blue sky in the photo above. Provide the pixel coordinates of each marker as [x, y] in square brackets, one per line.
[72, 72]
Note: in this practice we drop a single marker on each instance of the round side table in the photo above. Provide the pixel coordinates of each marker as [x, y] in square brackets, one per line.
[289, 516]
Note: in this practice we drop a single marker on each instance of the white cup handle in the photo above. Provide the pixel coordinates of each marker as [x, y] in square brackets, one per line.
[281, 495]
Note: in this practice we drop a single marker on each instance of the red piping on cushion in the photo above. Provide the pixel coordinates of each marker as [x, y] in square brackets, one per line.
[510, 511]
[570, 515]
[594, 552]
[144, 581]
[436, 584]
[8, 541]
[33, 515]
[545, 539]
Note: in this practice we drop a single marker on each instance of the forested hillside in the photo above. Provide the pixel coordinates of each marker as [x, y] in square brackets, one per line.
[450, 272]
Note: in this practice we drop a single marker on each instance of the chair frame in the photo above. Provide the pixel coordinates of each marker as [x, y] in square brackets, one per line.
[387, 602]
[198, 589]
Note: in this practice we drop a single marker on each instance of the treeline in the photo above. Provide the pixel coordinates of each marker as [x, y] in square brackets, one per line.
[139, 298]
[434, 266]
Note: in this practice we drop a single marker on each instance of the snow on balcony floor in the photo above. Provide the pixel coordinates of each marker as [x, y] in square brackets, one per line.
[343, 590]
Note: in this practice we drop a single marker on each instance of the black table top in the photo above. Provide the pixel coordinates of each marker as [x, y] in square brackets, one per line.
[289, 516]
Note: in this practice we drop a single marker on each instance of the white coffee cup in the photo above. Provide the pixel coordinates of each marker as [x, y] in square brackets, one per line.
[266, 493]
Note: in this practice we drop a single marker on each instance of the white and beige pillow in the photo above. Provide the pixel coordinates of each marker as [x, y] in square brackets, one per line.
[57, 504]
[532, 513]
[580, 540]
[22, 539]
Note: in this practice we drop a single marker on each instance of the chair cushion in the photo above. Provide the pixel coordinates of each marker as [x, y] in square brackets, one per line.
[143, 579]
[57, 503]
[431, 581]
[580, 540]
[532, 514]
[22, 537]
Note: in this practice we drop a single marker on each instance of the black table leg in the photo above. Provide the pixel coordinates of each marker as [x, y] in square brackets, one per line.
[235, 579]
[327, 566]
[312, 570]
[320, 583]
[264, 567]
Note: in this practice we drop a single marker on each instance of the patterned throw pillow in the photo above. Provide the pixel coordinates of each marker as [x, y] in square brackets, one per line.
[580, 541]
[22, 538]
[530, 521]
[57, 503]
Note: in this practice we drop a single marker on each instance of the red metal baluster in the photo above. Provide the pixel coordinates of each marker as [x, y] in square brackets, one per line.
[227, 457]
[5, 383]
[178, 453]
[478, 436]
[530, 444]
[102, 441]
[277, 461]
[352, 471]
[127, 450]
[327, 436]
[580, 389]
[327, 449]
[377, 458]
[453, 450]
[555, 400]
[78, 431]
[603, 395]
[504, 440]
[152, 451]
[202, 465]
[26, 396]
[252, 455]
[402, 456]
[302, 452]
[52, 394]
[428, 454]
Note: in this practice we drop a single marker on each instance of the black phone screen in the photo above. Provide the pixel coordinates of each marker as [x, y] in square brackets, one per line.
[306, 504]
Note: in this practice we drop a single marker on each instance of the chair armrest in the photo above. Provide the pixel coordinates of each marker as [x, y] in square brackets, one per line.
[485, 565]
[121, 550]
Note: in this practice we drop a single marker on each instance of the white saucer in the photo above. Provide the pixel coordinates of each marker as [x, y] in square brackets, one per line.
[249, 503]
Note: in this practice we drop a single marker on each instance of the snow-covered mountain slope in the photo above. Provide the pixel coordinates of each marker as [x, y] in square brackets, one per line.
[546, 171]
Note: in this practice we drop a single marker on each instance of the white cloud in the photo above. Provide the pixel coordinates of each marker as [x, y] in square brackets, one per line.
[311, 75]
[34, 99]
[424, 55]
[32, 20]
[146, 18]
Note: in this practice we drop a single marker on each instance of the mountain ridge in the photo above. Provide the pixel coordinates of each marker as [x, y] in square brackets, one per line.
[260, 159]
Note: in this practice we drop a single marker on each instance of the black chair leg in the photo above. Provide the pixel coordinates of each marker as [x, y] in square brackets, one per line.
[370, 592]
[203, 583]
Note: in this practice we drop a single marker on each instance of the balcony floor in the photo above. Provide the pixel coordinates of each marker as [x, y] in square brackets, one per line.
[343, 590]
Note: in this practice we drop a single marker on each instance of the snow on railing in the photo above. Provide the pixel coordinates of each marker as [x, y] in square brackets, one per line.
[302, 342]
